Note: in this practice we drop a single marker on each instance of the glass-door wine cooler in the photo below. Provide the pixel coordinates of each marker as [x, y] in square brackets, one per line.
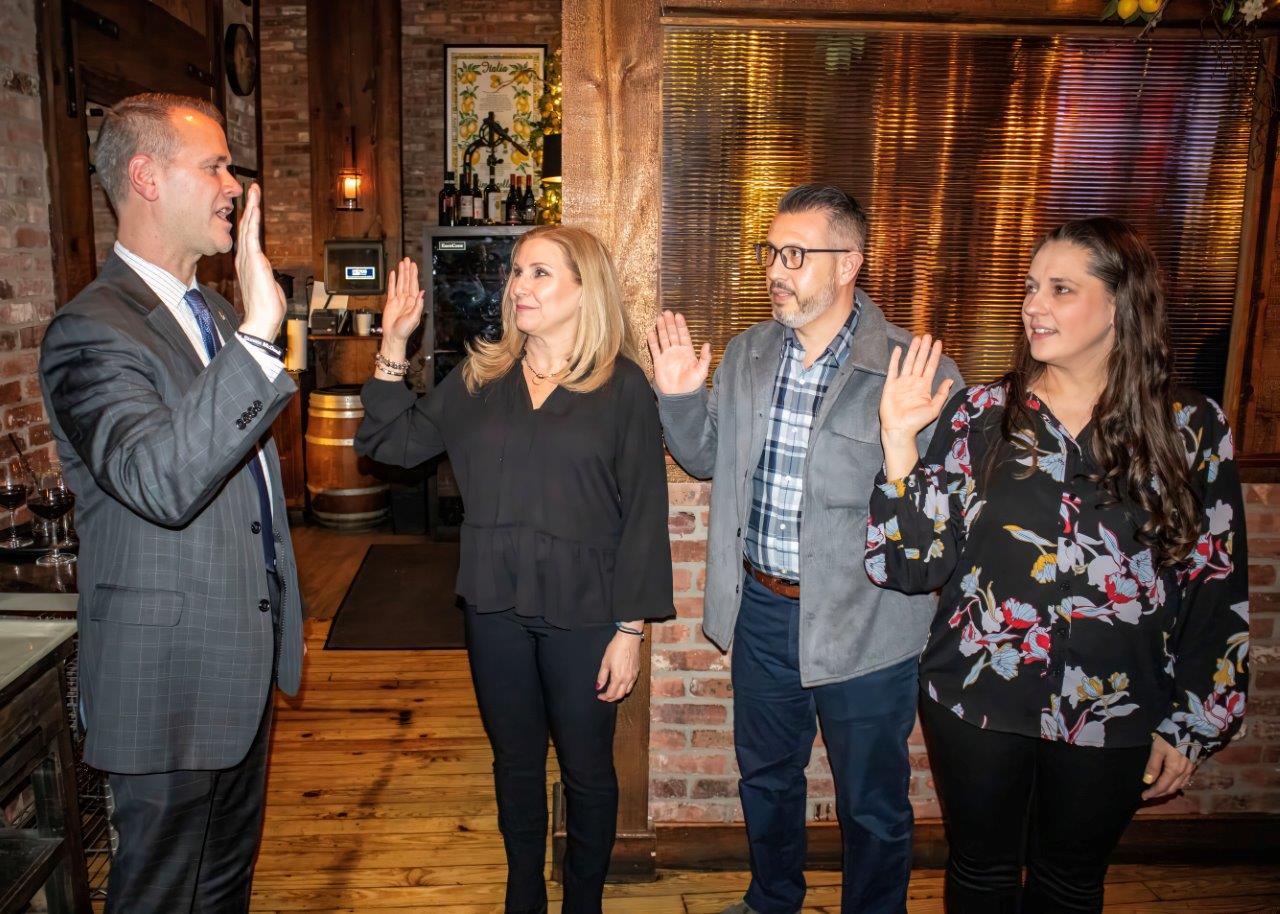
[468, 272]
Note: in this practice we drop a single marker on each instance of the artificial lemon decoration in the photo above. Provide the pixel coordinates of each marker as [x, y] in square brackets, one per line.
[1150, 6]
[1126, 8]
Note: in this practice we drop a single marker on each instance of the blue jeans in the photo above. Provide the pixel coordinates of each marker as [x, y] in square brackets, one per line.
[865, 724]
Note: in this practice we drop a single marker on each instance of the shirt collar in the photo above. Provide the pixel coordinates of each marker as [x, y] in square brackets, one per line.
[167, 287]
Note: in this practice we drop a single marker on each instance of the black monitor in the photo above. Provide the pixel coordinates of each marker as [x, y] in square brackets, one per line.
[355, 267]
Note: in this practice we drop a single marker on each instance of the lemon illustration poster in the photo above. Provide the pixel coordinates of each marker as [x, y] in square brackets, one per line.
[505, 80]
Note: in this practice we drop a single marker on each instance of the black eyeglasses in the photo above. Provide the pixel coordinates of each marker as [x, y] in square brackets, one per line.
[792, 255]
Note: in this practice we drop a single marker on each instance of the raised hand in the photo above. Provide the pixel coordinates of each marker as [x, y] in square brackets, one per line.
[677, 368]
[264, 302]
[908, 403]
[402, 311]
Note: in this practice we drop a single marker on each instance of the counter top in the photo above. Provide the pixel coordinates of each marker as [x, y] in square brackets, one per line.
[25, 642]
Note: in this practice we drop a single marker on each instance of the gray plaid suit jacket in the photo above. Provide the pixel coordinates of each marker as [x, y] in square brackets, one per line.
[175, 638]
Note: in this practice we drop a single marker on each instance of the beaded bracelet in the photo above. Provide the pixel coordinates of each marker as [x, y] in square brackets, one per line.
[399, 369]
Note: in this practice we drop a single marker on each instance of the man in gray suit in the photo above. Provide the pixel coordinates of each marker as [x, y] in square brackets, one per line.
[790, 433]
[161, 399]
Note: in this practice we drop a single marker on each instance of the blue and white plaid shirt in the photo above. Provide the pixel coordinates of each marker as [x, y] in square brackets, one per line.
[773, 532]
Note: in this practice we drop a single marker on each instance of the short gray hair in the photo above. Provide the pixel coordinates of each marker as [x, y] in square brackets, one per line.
[846, 215]
[140, 124]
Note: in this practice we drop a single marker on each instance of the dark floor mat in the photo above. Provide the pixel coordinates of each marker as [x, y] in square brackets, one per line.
[401, 599]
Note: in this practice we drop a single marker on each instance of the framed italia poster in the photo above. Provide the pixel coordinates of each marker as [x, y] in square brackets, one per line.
[505, 80]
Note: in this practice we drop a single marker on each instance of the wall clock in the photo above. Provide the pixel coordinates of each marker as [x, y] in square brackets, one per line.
[240, 57]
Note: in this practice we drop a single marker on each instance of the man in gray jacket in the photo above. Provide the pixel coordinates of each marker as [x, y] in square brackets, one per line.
[161, 399]
[790, 433]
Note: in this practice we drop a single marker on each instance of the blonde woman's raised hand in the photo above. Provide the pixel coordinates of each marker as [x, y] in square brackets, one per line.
[402, 311]
[677, 367]
[908, 403]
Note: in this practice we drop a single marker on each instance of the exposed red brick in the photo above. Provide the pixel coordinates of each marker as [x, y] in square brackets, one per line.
[690, 551]
[719, 687]
[1261, 575]
[671, 633]
[693, 659]
[667, 739]
[714, 787]
[689, 607]
[689, 714]
[667, 687]
[1261, 776]
[712, 739]
[666, 788]
[681, 522]
[691, 762]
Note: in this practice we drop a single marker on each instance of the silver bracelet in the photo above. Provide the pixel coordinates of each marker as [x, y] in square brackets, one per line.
[399, 369]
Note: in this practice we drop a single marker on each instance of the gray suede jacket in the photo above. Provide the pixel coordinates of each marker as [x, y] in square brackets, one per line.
[848, 626]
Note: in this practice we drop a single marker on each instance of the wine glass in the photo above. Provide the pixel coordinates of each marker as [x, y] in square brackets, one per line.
[13, 492]
[51, 500]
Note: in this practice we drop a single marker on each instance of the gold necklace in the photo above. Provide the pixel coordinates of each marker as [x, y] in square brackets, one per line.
[551, 375]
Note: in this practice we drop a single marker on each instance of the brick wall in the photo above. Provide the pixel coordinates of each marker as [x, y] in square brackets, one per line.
[427, 26]
[286, 131]
[692, 769]
[26, 269]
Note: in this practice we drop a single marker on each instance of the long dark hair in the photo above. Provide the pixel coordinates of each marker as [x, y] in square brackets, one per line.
[1136, 445]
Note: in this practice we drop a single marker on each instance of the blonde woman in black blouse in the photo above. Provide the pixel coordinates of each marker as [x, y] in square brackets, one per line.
[553, 435]
[1084, 521]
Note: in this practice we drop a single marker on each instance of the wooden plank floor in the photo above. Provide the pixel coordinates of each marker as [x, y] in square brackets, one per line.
[380, 796]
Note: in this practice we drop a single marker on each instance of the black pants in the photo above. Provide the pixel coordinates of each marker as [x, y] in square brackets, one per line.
[1009, 799]
[530, 677]
[188, 839]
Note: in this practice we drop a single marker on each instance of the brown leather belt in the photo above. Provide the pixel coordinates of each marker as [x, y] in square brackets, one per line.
[781, 586]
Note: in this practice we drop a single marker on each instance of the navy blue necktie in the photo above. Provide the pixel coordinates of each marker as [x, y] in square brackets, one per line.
[204, 318]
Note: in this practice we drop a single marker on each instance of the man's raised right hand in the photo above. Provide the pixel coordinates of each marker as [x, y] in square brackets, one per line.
[677, 367]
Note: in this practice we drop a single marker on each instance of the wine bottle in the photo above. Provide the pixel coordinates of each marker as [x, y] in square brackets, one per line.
[492, 202]
[448, 203]
[477, 200]
[511, 208]
[464, 199]
[528, 204]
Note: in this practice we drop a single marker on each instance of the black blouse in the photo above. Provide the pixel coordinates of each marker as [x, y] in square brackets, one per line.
[1054, 621]
[566, 505]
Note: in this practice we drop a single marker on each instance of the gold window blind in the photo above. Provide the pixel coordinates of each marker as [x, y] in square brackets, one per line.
[964, 148]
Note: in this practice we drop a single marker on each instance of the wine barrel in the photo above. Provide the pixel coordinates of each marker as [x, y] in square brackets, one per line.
[343, 494]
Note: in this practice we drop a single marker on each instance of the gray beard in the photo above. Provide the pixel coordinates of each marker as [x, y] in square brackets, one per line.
[808, 309]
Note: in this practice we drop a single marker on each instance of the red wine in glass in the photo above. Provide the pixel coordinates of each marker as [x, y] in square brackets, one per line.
[13, 492]
[51, 501]
[12, 497]
[51, 504]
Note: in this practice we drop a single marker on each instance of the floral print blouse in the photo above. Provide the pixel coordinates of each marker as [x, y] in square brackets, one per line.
[1053, 619]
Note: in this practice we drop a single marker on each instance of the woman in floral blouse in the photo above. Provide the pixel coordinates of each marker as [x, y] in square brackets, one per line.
[1083, 520]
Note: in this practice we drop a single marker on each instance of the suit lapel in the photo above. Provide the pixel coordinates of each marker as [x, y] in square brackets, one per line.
[158, 317]
[762, 370]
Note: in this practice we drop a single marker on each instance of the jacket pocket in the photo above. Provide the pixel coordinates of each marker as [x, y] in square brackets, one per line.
[136, 606]
[847, 458]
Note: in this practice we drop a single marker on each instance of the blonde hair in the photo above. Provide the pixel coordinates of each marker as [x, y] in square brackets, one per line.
[602, 333]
